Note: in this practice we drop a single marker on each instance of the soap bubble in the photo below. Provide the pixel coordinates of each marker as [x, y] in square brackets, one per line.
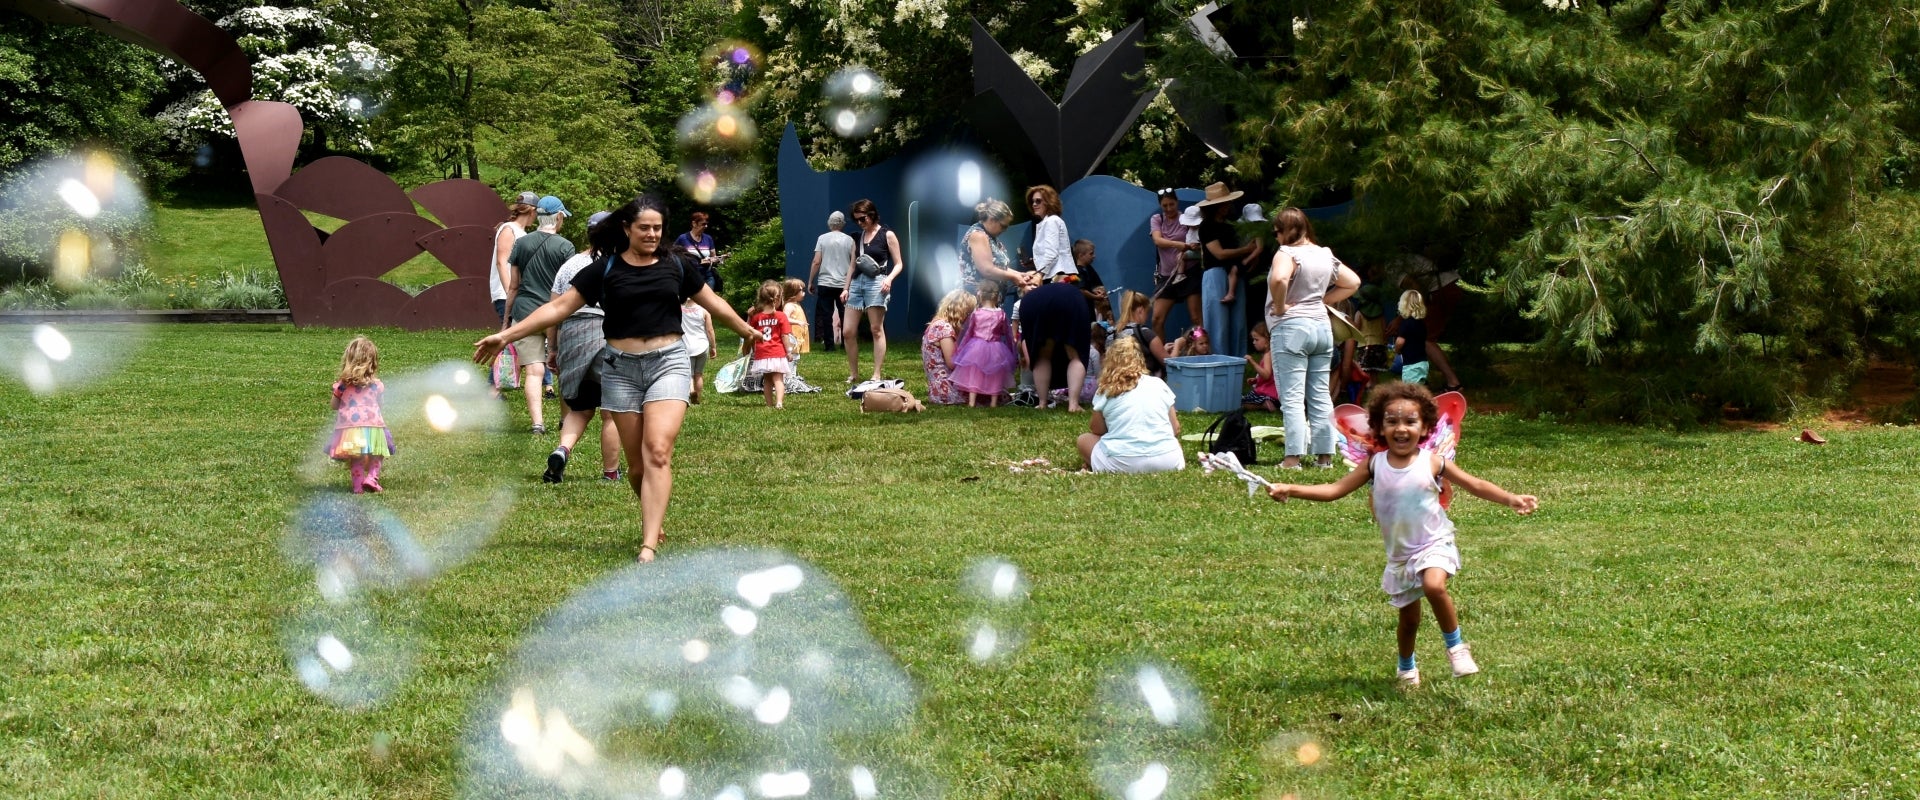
[348, 653]
[734, 68]
[360, 76]
[854, 102]
[447, 488]
[710, 674]
[714, 146]
[1153, 726]
[77, 223]
[998, 592]
[949, 183]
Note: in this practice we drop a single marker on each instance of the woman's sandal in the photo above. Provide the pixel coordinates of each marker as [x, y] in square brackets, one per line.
[643, 551]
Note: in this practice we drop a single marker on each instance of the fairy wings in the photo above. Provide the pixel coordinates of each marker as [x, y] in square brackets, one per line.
[1358, 444]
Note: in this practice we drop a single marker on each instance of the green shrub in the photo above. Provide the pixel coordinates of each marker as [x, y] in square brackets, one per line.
[762, 257]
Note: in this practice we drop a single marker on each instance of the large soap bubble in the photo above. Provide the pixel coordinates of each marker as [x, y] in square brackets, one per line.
[997, 591]
[715, 674]
[733, 69]
[714, 146]
[349, 652]
[447, 488]
[1153, 725]
[74, 225]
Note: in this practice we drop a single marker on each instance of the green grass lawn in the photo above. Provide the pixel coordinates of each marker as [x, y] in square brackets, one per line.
[205, 235]
[1705, 615]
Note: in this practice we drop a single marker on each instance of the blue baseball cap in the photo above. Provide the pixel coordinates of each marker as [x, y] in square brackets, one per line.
[552, 205]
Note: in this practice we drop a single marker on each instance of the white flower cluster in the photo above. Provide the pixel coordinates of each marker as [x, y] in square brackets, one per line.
[1036, 67]
[1562, 5]
[933, 12]
[1299, 27]
[1087, 39]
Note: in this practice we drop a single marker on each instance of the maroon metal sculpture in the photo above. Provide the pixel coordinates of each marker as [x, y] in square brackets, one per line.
[329, 279]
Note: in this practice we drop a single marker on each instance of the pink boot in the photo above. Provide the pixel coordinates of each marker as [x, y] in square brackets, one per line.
[359, 470]
[373, 476]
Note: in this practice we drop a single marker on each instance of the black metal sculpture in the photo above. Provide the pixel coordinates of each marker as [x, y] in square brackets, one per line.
[1065, 141]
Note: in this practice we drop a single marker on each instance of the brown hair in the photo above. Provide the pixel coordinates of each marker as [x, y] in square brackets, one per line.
[360, 363]
[1049, 199]
[1291, 225]
[1122, 367]
[698, 216]
[518, 210]
[770, 297]
[1387, 394]
[864, 206]
[1133, 301]
[794, 288]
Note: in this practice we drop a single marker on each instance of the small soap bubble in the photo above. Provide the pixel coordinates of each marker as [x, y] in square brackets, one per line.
[733, 72]
[361, 77]
[854, 102]
[348, 653]
[714, 145]
[446, 488]
[642, 685]
[1153, 743]
[997, 591]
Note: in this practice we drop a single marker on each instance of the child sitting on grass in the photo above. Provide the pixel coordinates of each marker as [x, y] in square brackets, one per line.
[1192, 343]
[1265, 394]
[1406, 502]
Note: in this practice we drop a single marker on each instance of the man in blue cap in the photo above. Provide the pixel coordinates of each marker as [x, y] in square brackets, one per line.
[535, 259]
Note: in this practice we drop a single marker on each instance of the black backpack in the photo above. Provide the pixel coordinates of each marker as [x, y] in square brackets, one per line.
[1231, 433]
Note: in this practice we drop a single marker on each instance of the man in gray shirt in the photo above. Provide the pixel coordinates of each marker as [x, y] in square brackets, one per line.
[832, 263]
[536, 259]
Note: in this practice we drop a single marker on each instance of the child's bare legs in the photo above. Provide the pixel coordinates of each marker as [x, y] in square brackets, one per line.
[993, 400]
[779, 381]
[1087, 442]
[972, 399]
[1433, 581]
[1409, 626]
[767, 384]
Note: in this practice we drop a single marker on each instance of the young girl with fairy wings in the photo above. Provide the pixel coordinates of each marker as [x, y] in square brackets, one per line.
[1408, 492]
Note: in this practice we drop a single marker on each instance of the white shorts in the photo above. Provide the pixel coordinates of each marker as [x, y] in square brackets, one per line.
[1136, 465]
[1401, 581]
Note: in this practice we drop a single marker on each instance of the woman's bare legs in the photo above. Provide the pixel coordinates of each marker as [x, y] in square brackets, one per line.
[877, 320]
[649, 436]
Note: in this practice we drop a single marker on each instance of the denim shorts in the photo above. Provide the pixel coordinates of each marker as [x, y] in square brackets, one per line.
[864, 292]
[629, 381]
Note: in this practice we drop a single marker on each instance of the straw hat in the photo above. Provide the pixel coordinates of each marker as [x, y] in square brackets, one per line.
[1217, 193]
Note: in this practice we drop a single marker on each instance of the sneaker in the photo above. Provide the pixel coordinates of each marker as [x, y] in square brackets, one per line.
[556, 466]
[1409, 678]
[1291, 467]
[612, 476]
[538, 430]
[1462, 660]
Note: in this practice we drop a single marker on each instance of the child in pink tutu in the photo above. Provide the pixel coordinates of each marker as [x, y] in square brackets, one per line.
[986, 358]
[770, 354]
[360, 435]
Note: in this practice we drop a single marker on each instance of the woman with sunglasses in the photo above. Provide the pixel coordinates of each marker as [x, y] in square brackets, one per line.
[877, 264]
[1055, 322]
[1176, 277]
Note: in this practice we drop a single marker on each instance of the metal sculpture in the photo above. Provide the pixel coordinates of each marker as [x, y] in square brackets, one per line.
[1068, 140]
[329, 279]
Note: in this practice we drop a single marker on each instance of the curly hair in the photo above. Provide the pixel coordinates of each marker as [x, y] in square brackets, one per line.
[1049, 200]
[360, 363]
[1387, 394]
[1120, 371]
[955, 308]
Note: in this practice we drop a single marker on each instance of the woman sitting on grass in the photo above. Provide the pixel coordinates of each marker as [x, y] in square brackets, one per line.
[1134, 428]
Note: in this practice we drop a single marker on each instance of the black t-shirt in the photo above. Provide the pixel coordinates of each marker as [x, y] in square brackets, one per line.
[1222, 232]
[640, 301]
[1415, 332]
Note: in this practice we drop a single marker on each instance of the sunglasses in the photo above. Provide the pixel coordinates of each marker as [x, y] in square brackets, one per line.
[861, 218]
[1038, 201]
[1165, 193]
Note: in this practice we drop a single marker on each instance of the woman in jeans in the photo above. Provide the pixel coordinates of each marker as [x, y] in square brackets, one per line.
[645, 374]
[1306, 278]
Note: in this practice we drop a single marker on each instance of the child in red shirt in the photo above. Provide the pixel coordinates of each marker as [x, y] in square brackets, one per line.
[770, 355]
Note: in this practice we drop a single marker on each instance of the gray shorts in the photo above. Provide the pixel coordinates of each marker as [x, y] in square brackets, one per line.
[629, 381]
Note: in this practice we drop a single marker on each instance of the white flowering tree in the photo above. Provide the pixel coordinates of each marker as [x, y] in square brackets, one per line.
[302, 58]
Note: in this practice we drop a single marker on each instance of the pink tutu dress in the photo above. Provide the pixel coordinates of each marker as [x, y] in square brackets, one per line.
[985, 360]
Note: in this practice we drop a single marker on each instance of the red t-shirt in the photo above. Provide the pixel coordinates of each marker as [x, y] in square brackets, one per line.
[774, 324]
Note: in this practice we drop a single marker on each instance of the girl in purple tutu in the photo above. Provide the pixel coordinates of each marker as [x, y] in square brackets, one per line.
[986, 358]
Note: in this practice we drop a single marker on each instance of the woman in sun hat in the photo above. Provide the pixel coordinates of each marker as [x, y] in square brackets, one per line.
[1223, 309]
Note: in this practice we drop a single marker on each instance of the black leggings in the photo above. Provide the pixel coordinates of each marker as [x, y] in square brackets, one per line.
[826, 301]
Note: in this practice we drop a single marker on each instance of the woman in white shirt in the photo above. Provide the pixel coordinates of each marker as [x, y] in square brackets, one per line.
[1052, 248]
[1055, 323]
[1134, 428]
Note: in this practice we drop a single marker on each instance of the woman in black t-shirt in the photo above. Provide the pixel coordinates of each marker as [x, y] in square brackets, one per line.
[645, 375]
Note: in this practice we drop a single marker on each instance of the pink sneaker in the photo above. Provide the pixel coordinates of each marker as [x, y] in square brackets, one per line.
[1462, 660]
[1409, 678]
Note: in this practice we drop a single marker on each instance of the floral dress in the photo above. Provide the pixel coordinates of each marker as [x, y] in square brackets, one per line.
[940, 388]
[970, 273]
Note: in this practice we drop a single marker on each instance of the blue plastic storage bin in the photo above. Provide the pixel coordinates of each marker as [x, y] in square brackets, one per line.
[1206, 383]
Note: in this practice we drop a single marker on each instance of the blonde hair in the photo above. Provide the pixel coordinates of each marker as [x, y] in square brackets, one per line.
[988, 292]
[770, 297]
[956, 307]
[1132, 301]
[360, 364]
[992, 210]
[795, 288]
[1121, 367]
[1412, 306]
[1192, 343]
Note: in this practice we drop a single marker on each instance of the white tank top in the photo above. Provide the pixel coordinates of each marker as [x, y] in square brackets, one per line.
[1406, 502]
[1313, 268]
[495, 289]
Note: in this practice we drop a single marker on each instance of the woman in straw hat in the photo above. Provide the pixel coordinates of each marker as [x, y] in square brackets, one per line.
[1222, 304]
